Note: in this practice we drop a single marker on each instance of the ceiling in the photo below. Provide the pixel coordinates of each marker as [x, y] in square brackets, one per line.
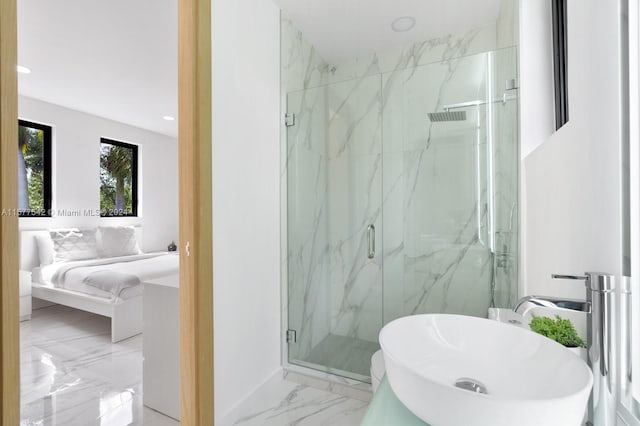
[345, 29]
[116, 59]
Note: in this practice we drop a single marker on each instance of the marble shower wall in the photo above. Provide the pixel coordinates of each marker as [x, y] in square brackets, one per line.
[355, 182]
[303, 217]
[435, 189]
[508, 24]
[456, 183]
[308, 256]
[429, 208]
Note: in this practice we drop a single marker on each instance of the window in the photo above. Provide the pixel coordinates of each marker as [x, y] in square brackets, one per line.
[559, 16]
[34, 169]
[118, 178]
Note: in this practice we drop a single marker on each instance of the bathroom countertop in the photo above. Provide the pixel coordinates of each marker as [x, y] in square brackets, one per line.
[387, 410]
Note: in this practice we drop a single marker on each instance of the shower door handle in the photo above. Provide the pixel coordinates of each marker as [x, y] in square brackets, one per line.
[371, 241]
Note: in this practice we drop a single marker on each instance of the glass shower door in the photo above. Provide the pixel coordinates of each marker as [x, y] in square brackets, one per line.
[334, 226]
[450, 186]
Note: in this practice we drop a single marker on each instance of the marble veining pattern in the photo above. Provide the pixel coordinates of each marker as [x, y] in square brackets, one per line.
[308, 245]
[364, 153]
[439, 246]
[355, 389]
[71, 373]
[346, 354]
[355, 180]
[282, 403]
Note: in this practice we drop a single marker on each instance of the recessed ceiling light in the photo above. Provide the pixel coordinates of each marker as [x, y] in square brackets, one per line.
[403, 23]
[23, 70]
[168, 118]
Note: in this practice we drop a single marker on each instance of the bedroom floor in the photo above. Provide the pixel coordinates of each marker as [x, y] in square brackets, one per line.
[71, 373]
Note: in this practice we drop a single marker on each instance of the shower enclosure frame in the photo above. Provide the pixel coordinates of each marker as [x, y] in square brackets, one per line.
[308, 371]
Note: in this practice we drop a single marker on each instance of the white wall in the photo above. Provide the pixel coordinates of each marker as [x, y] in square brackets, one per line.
[246, 102]
[76, 172]
[536, 75]
[571, 178]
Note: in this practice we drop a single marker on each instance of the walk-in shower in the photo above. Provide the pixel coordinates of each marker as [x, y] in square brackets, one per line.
[400, 190]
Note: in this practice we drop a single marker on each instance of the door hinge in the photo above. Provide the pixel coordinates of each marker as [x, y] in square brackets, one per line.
[289, 119]
[291, 336]
[511, 84]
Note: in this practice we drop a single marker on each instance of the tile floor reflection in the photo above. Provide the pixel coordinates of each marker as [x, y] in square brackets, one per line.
[71, 373]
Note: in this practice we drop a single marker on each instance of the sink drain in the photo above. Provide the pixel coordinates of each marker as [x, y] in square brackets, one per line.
[471, 385]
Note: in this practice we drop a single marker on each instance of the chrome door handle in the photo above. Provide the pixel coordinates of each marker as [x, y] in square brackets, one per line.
[371, 241]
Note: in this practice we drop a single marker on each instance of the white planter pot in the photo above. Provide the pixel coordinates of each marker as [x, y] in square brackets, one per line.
[581, 352]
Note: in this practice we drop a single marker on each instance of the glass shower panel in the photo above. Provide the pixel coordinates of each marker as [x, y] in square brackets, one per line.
[416, 169]
[503, 122]
[334, 180]
[440, 188]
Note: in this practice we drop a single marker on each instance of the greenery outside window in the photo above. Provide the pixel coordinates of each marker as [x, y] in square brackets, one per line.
[34, 169]
[118, 178]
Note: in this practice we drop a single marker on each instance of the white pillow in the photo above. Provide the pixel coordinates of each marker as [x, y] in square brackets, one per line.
[73, 244]
[45, 249]
[118, 241]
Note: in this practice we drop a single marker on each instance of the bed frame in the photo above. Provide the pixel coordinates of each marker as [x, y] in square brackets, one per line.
[126, 315]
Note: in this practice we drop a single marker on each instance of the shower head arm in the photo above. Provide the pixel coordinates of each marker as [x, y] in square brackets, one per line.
[464, 105]
[478, 102]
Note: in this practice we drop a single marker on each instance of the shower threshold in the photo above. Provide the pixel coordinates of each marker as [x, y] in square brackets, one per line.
[342, 356]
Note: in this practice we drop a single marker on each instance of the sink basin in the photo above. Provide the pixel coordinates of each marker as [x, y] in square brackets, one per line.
[454, 370]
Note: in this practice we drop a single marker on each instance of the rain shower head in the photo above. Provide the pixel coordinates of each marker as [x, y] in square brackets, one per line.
[448, 116]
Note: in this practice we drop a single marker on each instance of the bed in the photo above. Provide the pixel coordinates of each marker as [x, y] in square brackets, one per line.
[100, 283]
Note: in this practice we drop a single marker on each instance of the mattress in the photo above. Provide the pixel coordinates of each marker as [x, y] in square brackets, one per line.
[70, 275]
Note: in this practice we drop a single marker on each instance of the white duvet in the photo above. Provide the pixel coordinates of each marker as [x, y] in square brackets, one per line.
[70, 275]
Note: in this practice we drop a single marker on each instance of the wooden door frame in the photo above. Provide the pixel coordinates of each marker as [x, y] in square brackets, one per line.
[195, 214]
[195, 211]
[9, 302]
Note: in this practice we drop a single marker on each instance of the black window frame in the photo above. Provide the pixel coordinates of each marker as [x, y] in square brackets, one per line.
[560, 59]
[134, 178]
[47, 132]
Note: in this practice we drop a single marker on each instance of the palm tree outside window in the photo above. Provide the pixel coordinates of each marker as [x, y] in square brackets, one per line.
[34, 169]
[118, 178]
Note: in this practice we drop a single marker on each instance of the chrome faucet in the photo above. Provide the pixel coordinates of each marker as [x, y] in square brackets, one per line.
[600, 289]
[524, 305]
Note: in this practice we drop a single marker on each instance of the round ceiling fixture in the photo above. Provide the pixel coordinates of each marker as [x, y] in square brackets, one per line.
[23, 70]
[168, 118]
[403, 24]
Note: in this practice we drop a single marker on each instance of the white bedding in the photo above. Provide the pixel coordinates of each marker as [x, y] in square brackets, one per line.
[70, 275]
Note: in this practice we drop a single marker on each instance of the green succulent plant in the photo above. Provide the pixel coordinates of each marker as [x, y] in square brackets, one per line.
[561, 330]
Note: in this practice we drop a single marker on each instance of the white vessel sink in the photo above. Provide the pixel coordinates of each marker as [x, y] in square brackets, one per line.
[454, 370]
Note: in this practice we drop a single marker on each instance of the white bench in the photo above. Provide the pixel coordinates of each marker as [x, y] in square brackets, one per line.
[161, 347]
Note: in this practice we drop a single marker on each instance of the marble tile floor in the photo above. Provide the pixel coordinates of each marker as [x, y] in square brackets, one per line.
[283, 403]
[342, 353]
[71, 373]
